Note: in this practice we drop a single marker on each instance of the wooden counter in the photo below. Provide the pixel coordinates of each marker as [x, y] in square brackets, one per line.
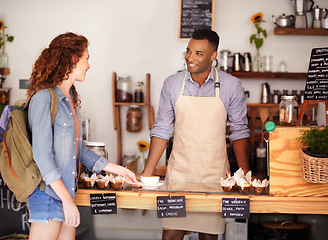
[211, 202]
[288, 193]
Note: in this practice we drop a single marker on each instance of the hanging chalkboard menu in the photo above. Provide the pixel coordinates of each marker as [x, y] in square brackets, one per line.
[316, 88]
[195, 15]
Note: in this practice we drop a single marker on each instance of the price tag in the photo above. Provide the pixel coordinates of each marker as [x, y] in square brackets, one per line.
[104, 203]
[235, 208]
[171, 206]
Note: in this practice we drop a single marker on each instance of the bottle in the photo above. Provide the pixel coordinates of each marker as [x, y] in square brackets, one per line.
[294, 93]
[276, 96]
[134, 119]
[285, 92]
[301, 97]
[288, 111]
[124, 89]
[138, 94]
[261, 160]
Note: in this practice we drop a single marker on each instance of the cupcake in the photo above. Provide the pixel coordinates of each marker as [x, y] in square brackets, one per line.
[228, 184]
[116, 182]
[259, 186]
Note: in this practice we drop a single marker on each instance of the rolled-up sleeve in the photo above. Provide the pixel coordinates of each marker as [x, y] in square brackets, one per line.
[237, 112]
[91, 160]
[164, 123]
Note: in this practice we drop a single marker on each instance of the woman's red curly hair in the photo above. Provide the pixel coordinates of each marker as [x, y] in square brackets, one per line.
[56, 62]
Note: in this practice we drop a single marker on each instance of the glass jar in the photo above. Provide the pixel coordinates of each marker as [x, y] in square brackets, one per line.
[130, 161]
[138, 93]
[98, 148]
[134, 119]
[124, 89]
[288, 111]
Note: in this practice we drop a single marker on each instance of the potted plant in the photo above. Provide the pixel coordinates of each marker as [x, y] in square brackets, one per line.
[314, 154]
[316, 140]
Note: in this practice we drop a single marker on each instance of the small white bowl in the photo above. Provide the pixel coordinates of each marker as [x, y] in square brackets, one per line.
[150, 180]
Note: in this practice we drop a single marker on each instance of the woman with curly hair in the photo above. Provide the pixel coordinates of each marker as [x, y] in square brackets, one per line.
[58, 149]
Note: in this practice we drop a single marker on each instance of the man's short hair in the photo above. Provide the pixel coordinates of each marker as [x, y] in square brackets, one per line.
[212, 37]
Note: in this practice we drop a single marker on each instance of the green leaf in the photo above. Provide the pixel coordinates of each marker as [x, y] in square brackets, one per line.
[10, 38]
[251, 39]
[265, 33]
[258, 42]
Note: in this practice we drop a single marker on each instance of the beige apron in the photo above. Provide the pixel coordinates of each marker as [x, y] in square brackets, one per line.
[199, 154]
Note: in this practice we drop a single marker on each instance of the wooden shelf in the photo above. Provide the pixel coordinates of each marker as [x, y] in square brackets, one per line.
[272, 75]
[4, 71]
[129, 104]
[117, 115]
[300, 31]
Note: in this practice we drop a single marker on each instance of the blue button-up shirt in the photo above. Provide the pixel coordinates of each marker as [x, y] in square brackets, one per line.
[231, 94]
[54, 148]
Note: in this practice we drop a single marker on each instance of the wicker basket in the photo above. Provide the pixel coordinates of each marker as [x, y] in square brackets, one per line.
[314, 169]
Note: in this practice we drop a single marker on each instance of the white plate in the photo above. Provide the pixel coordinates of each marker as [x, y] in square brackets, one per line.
[150, 187]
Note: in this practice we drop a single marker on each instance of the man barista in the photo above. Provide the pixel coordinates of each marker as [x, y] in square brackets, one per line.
[196, 104]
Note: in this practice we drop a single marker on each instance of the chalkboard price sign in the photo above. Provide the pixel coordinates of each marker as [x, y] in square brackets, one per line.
[171, 207]
[195, 15]
[316, 88]
[13, 217]
[235, 208]
[104, 203]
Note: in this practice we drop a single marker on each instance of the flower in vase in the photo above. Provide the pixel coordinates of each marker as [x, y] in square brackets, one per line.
[257, 38]
[142, 146]
[3, 39]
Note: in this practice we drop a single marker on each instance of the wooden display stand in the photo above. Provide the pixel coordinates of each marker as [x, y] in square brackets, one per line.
[117, 117]
[285, 166]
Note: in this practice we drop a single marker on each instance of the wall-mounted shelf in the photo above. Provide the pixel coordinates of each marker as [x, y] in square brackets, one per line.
[272, 75]
[117, 115]
[4, 71]
[300, 31]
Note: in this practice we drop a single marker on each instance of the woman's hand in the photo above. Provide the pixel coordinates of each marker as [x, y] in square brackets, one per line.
[71, 213]
[129, 176]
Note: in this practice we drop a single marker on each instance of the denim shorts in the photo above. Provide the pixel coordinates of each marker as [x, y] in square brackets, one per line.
[43, 207]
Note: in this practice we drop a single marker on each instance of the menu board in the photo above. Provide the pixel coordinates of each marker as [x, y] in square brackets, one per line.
[171, 206]
[316, 88]
[195, 15]
[104, 203]
[235, 208]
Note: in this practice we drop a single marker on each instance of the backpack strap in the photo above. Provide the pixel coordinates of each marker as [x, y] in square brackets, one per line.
[8, 157]
[54, 104]
[53, 113]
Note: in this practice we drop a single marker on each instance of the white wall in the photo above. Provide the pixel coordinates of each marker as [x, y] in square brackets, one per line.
[136, 37]
[139, 36]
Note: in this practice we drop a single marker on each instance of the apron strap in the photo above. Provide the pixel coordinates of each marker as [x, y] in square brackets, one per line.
[216, 85]
[183, 84]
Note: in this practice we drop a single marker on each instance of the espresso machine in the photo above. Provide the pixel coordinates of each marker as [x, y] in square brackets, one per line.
[301, 8]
